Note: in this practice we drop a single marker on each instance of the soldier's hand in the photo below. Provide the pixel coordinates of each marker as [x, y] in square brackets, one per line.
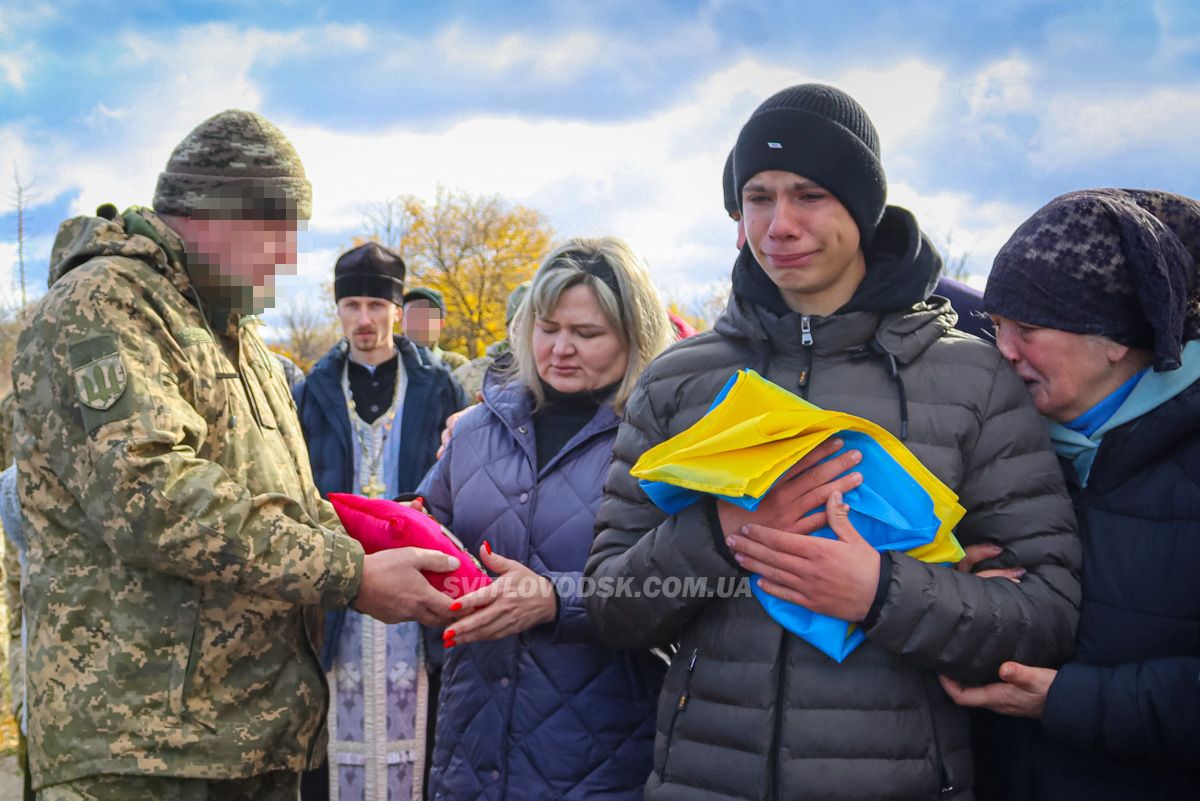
[394, 591]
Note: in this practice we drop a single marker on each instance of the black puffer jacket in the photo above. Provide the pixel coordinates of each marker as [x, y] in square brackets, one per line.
[1122, 719]
[766, 715]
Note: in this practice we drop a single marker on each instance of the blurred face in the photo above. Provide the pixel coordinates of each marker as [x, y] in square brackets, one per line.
[234, 262]
[805, 240]
[423, 322]
[368, 324]
[575, 347]
[1066, 374]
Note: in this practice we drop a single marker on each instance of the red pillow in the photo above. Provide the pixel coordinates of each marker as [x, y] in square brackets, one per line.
[381, 524]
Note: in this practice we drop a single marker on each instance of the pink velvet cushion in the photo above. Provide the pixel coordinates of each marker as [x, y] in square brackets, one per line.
[379, 524]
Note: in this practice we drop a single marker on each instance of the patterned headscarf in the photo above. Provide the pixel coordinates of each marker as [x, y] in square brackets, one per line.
[1119, 263]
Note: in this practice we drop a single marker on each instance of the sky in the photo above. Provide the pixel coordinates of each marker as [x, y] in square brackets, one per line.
[612, 118]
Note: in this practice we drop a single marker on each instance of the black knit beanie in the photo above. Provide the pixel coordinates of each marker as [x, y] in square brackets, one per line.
[823, 134]
[1118, 263]
[369, 271]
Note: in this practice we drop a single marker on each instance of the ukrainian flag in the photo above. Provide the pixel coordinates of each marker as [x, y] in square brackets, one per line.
[755, 432]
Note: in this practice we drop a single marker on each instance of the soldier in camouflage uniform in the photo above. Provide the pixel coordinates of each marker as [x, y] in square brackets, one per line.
[179, 554]
[470, 375]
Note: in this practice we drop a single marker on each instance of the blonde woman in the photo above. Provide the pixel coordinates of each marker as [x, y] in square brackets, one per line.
[532, 705]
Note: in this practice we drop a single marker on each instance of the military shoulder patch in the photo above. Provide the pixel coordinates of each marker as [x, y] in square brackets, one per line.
[99, 374]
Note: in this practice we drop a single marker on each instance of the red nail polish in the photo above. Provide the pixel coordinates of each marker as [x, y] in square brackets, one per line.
[448, 634]
[448, 644]
[454, 607]
[487, 547]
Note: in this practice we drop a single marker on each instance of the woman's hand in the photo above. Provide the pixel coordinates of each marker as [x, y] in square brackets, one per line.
[517, 600]
[838, 577]
[981, 551]
[1021, 691]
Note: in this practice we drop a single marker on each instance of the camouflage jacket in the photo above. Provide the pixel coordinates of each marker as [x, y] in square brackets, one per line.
[179, 553]
[470, 375]
[452, 358]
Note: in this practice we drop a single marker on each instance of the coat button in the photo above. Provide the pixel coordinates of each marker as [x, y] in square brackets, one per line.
[524, 497]
[495, 775]
[504, 682]
[524, 429]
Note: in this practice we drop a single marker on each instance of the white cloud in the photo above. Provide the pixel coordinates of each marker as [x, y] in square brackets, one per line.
[18, 22]
[902, 100]
[16, 154]
[1059, 129]
[653, 179]
[1081, 129]
[962, 225]
[347, 37]
[19, 18]
[1002, 87]
[556, 59]
[12, 70]
[1178, 38]
[8, 266]
[37, 254]
[203, 71]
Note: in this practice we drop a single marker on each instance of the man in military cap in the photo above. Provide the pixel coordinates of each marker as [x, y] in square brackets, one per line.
[424, 319]
[179, 554]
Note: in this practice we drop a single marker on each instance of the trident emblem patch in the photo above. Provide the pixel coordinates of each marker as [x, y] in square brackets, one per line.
[101, 383]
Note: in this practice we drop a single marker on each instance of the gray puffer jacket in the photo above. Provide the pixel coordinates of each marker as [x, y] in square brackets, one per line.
[749, 711]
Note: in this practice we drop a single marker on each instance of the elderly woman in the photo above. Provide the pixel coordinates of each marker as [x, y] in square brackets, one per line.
[532, 705]
[1096, 306]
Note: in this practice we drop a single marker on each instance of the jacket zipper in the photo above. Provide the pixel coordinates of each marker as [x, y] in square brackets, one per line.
[780, 666]
[806, 339]
[803, 381]
[518, 644]
[680, 705]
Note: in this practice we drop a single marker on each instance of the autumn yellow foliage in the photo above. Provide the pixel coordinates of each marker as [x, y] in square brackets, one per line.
[473, 249]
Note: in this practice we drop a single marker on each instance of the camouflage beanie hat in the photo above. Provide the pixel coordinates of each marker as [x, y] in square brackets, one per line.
[1117, 263]
[235, 165]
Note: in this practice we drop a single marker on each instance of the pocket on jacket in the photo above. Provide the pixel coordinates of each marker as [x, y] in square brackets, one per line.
[187, 648]
[946, 785]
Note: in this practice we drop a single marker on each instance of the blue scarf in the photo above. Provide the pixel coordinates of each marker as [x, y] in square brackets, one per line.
[1143, 393]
